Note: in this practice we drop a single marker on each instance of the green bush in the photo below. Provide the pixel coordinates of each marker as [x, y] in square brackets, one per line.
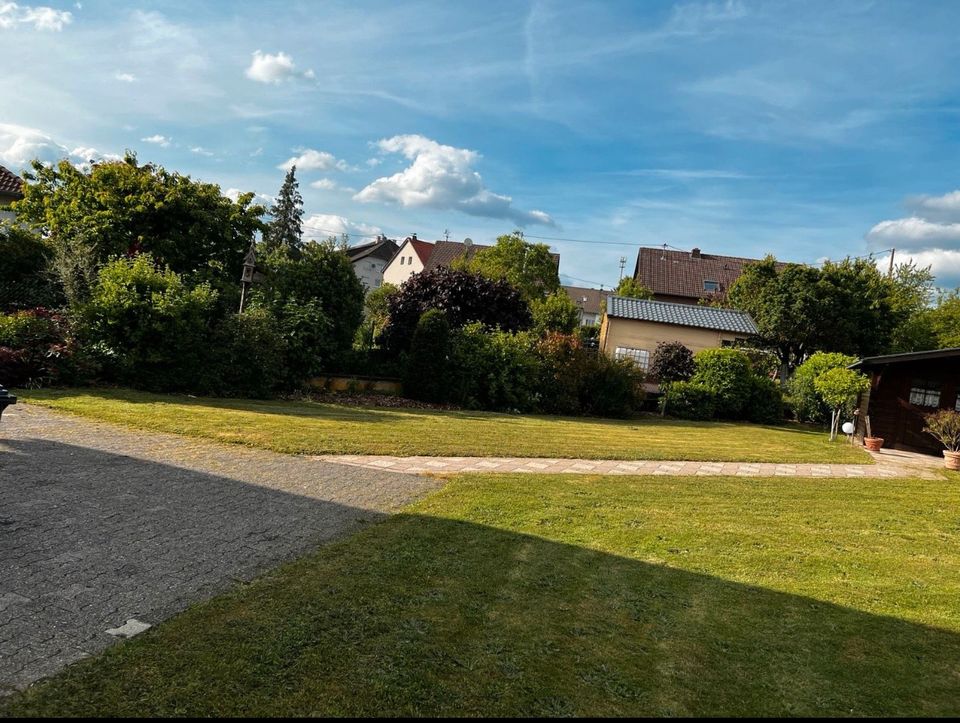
[250, 355]
[497, 371]
[765, 405]
[671, 362]
[688, 400]
[148, 328]
[26, 282]
[36, 349]
[426, 374]
[555, 313]
[807, 403]
[611, 388]
[729, 375]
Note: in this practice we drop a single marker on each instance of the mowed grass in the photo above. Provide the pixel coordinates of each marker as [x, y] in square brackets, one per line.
[594, 596]
[304, 427]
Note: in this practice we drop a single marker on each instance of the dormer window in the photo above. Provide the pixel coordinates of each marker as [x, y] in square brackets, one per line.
[711, 286]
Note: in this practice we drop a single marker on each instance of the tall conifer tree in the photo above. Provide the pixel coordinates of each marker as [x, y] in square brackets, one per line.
[285, 229]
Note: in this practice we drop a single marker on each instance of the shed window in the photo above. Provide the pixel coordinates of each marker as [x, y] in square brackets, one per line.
[925, 393]
[711, 286]
[640, 357]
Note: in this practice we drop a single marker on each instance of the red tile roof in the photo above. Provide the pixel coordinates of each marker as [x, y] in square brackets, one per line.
[10, 184]
[683, 273]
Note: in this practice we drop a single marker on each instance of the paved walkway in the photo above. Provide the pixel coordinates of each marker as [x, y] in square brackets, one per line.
[100, 525]
[888, 464]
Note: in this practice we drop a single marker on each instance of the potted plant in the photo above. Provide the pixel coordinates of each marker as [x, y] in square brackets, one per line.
[873, 443]
[945, 426]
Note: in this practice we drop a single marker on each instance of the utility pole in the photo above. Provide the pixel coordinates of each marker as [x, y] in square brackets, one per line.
[893, 253]
[623, 262]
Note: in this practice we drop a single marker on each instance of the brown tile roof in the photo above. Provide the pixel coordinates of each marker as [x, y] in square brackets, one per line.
[593, 296]
[10, 183]
[446, 252]
[683, 273]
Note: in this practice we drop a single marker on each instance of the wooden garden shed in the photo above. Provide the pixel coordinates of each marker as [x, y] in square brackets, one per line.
[904, 388]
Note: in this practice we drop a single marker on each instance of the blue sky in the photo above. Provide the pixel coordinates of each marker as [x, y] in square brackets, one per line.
[807, 130]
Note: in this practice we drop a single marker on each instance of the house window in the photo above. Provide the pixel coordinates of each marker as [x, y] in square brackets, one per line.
[640, 357]
[711, 286]
[925, 393]
[409, 260]
[402, 259]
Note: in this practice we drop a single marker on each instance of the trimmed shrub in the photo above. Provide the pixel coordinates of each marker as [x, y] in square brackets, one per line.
[688, 400]
[671, 362]
[611, 388]
[496, 370]
[765, 405]
[251, 355]
[729, 375]
[807, 403]
[426, 374]
[36, 348]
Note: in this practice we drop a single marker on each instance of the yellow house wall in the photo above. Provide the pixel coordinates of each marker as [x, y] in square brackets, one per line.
[646, 334]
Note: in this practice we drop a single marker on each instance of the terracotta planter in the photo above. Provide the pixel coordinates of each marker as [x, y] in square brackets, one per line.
[951, 460]
[873, 443]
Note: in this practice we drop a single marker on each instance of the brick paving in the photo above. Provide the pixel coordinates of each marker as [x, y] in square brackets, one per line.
[887, 465]
[100, 525]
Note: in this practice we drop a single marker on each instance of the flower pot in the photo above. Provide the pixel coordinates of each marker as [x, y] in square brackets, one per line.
[873, 443]
[951, 460]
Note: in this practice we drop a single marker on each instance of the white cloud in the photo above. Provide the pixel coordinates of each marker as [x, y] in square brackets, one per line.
[311, 160]
[320, 226]
[914, 233]
[374, 162]
[945, 208]
[85, 156]
[930, 237]
[325, 184]
[40, 17]
[442, 177]
[201, 151]
[234, 193]
[19, 145]
[256, 153]
[157, 140]
[267, 68]
[126, 77]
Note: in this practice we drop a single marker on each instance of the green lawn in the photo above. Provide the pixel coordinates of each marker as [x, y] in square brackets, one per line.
[555, 595]
[313, 428]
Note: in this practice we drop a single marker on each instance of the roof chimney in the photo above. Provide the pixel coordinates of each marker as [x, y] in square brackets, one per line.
[695, 254]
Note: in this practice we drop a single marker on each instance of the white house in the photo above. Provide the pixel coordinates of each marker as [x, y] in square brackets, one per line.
[409, 259]
[370, 259]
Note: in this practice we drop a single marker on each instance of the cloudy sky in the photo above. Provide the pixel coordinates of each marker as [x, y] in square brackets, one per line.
[807, 130]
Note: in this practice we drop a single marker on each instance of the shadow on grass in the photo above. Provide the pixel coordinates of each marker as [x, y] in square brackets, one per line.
[429, 616]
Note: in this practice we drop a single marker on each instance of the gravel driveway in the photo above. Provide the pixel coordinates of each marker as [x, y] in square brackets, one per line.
[100, 525]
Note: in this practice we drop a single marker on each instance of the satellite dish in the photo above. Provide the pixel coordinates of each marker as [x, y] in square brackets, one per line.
[468, 241]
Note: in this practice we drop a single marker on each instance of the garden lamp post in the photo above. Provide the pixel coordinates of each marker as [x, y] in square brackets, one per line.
[6, 399]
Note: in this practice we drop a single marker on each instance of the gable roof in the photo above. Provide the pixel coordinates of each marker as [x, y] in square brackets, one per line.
[10, 184]
[382, 248]
[682, 273]
[446, 252]
[665, 312]
[593, 297]
[872, 362]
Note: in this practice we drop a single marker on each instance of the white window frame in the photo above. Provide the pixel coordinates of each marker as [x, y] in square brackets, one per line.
[640, 357]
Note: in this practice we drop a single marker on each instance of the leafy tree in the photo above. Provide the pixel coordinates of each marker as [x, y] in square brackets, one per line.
[321, 274]
[857, 303]
[285, 230]
[945, 321]
[784, 305]
[25, 282]
[911, 294]
[671, 362]
[808, 404]
[375, 315]
[119, 208]
[426, 374]
[529, 267]
[839, 388]
[555, 313]
[465, 297]
[632, 289]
